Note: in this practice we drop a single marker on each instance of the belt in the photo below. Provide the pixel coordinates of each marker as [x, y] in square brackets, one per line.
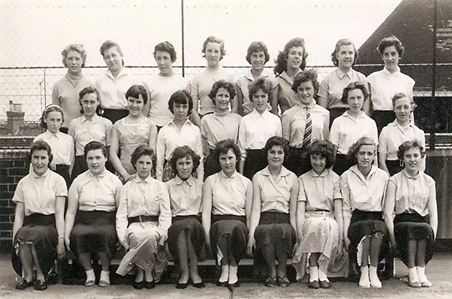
[143, 218]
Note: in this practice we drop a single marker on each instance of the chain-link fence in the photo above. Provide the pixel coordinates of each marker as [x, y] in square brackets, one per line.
[35, 33]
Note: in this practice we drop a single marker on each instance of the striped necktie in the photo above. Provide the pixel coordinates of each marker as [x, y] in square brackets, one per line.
[308, 129]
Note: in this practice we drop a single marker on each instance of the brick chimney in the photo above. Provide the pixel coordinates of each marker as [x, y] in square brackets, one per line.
[15, 118]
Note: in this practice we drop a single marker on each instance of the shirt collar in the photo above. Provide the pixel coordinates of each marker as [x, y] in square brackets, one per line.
[40, 176]
[123, 72]
[315, 175]
[341, 74]
[356, 170]
[287, 78]
[138, 180]
[284, 172]
[395, 123]
[50, 134]
[225, 176]
[263, 115]
[250, 77]
[190, 181]
[361, 115]
[100, 175]
[187, 122]
[93, 119]
[311, 105]
[407, 175]
[387, 72]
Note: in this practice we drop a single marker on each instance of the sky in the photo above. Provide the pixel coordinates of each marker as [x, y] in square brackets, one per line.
[35, 32]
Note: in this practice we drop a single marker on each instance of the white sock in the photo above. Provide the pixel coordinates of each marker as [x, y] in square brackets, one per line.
[322, 276]
[90, 275]
[412, 274]
[421, 274]
[105, 276]
[313, 273]
[364, 279]
[224, 273]
[233, 274]
[374, 280]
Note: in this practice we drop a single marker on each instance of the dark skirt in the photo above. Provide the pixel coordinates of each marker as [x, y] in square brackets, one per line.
[211, 166]
[191, 223]
[394, 166]
[334, 113]
[296, 161]
[115, 114]
[94, 232]
[342, 164]
[409, 226]
[383, 118]
[363, 224]
[80, 166]
[275, 228]
[233, 227]
[63, 170]
[255, 161]
[40, 230]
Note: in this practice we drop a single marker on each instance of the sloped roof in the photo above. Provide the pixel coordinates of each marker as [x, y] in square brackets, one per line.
[412, 23]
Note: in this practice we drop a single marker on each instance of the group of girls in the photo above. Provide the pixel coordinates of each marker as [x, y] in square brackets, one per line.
[212, 168]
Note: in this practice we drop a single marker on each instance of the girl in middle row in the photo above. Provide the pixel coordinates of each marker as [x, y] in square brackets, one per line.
[180, 131]
[220, 125]
[131, 131]
[304, 122]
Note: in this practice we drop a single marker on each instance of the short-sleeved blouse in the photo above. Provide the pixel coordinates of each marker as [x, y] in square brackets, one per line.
[185, 196]
[228, 193]
[130, 136]
[286, 96]
[216, 127]
[275, 193]
[84, 130]
[96, 192]
[332, 86]
[363, 193]
[319, 190]
[412, 192]
[243, 85]
[39, 193]
[139, 197]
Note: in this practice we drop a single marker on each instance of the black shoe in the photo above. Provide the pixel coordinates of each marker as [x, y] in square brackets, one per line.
[40, 285]
[282, 281]
[23, 284]
[233, 285]
[138, 285]
[222, 283]
[181, 285]
[52, 278]
[199, 285]
[149, 284]
[313, 284]
[324, 284]
[270, 281]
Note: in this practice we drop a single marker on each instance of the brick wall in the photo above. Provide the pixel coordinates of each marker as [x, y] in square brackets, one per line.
[13, 167]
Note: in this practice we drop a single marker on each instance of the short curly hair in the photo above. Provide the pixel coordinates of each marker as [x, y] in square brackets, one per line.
[183, 152]
[281, 62]
[166, 47]
[77, 48]
[305, 76]
[408, 145]
[354, 149]
[363, 86]
[95, 145]
[213, 39]
[222, 84]
[224, 146]
[260, 84]
[343, 42]
[323, 148]
[257, 47]
[144, 150]
[389, 41]
[40, 145]
[277, 141]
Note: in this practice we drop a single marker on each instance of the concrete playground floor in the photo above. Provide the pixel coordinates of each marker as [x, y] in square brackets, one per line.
[439, 272]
